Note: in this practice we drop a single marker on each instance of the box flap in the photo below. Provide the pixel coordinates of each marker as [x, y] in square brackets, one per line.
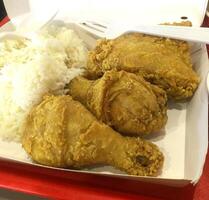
[134, 11]
[197, 128]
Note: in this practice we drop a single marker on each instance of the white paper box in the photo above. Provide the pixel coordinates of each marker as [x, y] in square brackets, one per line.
[185, 139]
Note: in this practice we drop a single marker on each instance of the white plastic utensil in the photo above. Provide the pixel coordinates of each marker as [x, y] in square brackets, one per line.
[193, 34]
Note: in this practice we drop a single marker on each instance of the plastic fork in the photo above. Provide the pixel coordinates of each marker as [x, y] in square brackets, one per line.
[98, 30]
[193, 34]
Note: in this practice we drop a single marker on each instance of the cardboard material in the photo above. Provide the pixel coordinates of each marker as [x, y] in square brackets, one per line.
[184, 139]
[146, 12]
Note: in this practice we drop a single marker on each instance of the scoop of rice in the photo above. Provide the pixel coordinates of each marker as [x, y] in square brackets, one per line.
[33, 68]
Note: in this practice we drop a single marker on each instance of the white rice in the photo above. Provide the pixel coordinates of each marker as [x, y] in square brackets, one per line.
[33, 68]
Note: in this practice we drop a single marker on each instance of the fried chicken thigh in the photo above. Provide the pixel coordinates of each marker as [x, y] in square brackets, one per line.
[163, 62]
[61, 132]
[124, 101]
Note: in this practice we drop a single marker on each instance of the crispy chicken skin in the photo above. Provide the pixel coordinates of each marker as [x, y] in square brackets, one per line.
[124, 101]
[61, 132]
[163, 62]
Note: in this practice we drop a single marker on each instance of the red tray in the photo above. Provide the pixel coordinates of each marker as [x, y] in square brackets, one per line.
[4, 21]
[67, 185]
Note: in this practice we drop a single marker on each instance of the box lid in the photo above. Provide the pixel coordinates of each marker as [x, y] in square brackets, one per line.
[141, 12]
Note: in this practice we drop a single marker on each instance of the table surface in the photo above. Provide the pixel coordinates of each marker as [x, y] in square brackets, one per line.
[10, 177]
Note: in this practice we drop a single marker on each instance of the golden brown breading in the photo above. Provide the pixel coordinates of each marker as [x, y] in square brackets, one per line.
[61, 132]
[124, 101]
[182, 23]
[161, 61]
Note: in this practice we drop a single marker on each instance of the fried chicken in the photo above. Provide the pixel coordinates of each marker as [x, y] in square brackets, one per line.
[163, 62]
[124, 101]
[61, 132]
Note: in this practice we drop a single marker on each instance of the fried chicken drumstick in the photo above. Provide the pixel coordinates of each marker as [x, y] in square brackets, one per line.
[163, 62]
[124, 101]
[61, 132]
